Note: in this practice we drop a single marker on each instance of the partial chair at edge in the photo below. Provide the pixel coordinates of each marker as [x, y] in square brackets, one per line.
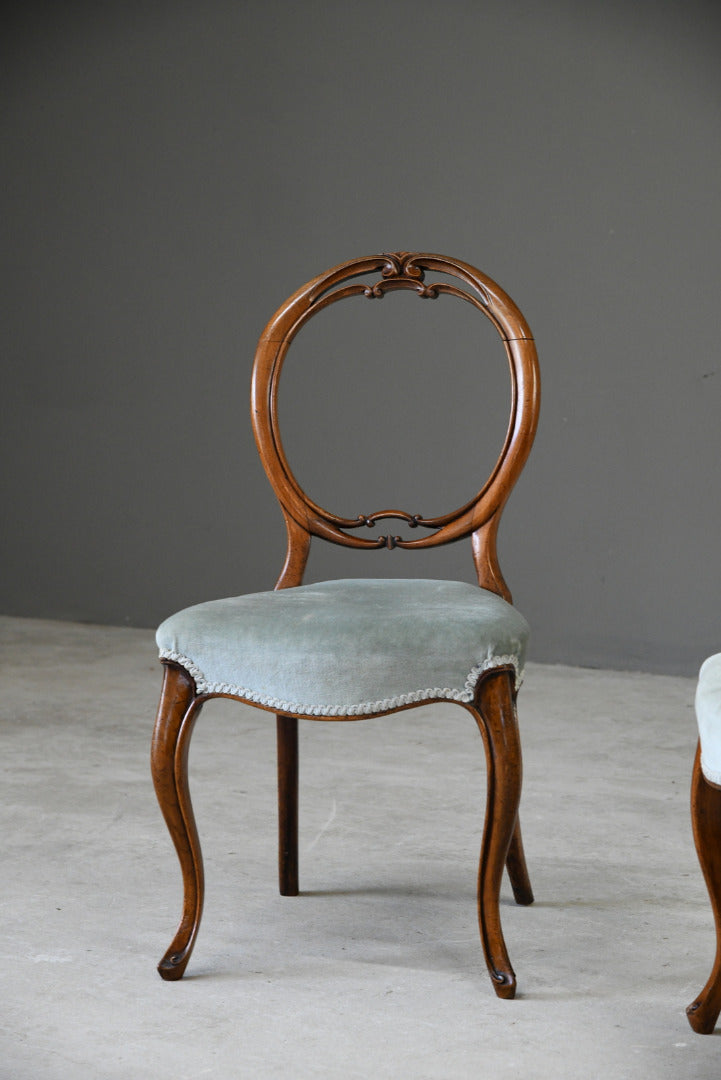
[355, 648]
[706, 816]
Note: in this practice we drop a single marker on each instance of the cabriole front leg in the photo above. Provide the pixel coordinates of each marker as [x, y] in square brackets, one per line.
[706, 817]
[178, 710]
[495, 714]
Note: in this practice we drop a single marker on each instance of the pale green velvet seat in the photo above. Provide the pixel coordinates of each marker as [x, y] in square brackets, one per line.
[708, 716]
[348, 647]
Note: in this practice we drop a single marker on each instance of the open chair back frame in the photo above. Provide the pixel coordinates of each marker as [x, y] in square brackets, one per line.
[480, 516]
[491, 699]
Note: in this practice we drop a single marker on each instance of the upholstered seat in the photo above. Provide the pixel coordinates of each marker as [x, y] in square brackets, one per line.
[708, 715]
[706, 817]
[298, 650]
[353, 648]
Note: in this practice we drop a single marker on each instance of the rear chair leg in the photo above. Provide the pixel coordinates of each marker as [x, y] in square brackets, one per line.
[706, 817]
[178, 710]
[287, 729]
[517, 869]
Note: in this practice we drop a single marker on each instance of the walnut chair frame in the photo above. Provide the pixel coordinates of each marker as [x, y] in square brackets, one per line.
[704, 1011]
[494, 704]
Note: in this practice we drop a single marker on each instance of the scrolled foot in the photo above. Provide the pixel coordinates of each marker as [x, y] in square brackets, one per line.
[702, 1018]
[172, 966]
[504, 983]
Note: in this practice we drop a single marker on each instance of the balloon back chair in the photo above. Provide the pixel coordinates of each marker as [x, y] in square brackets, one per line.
[354, 648]
[706, 817]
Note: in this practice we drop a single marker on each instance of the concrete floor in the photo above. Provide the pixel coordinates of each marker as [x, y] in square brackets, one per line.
[376, 970]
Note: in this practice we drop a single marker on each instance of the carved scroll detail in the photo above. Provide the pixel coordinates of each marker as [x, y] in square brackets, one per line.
[401, 264]
[401, 272]
[390, 542]
[413, 520]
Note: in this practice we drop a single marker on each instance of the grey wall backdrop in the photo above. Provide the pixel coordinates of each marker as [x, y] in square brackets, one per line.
[173, 170]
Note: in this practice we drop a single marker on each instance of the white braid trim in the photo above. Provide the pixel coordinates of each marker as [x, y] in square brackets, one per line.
[710, 773]
[386, 705]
